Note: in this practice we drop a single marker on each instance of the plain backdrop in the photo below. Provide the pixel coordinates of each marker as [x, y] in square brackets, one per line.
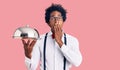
[95, 23]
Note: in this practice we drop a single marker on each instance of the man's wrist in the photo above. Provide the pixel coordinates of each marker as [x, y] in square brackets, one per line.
[60, 43]
[28, 56]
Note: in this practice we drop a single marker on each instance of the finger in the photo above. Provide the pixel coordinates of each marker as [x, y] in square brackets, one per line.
[32, 43]
[28, 42]
[23, 41]
[55, 28]
[58, 26]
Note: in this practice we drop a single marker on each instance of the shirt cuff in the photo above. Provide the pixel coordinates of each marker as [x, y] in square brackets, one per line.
[28, 63]
[27, 60]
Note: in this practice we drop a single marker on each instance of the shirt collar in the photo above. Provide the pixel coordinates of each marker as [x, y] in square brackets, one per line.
[50, 33]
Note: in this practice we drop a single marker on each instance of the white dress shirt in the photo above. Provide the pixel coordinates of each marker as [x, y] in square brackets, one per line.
[54, 54]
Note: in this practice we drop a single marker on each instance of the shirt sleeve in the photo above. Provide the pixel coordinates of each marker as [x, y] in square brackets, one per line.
[71, 52]
[33, 62]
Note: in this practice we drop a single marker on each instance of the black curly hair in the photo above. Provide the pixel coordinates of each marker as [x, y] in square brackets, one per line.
[55, 7]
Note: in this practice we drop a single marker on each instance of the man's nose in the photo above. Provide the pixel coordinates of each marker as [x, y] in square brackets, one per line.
[56, 20]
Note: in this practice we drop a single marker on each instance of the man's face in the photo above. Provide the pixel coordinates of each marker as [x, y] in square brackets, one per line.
[55, 18]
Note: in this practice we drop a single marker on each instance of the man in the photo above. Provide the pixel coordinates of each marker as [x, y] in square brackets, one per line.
[56, 50]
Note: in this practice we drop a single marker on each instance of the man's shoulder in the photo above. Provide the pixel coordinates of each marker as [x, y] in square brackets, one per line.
[70, 36]
[72, 39]
[42, 35]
